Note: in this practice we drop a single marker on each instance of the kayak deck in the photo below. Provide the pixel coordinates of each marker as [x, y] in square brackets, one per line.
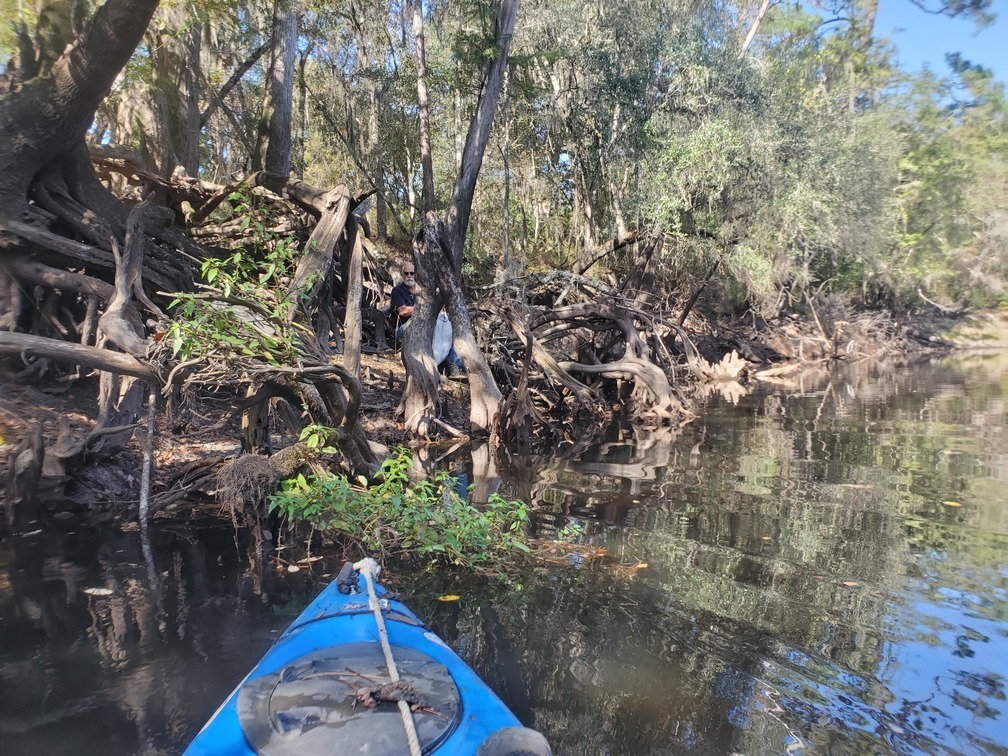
[324, 688]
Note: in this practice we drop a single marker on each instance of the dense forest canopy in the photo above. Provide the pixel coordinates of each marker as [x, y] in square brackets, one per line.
[223, 172]
[777, 139]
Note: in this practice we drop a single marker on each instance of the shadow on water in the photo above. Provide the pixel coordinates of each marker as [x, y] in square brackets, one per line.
[107, 644]
[810, 567]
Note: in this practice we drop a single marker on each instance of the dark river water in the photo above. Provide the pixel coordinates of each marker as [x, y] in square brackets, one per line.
[815, 566]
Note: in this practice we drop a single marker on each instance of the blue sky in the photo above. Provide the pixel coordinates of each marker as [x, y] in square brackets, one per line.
[923, 39]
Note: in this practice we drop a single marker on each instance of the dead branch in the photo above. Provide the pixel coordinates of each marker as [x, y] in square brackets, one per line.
[63, 280]
[27, 345]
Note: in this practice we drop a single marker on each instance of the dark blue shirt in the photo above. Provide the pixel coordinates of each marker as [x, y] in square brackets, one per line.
[402, 296]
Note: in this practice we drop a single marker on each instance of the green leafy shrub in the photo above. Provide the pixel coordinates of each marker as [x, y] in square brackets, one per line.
[242, 305]
[426, 517]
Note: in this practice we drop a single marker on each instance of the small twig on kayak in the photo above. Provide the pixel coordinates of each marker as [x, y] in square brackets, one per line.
[401, 690]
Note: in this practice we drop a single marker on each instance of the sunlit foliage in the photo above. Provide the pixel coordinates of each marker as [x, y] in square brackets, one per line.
[803, 162]
[432, 518]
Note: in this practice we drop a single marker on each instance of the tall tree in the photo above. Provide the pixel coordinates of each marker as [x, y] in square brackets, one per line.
[154, 110]
[176, 90]
[438, 253]
[423, 107]
[951, 233]
[47, 104]
[274, 142]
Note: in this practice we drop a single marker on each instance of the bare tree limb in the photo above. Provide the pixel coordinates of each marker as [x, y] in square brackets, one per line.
[63, 280]
[753, 28]
[74, 354]
[225, 90]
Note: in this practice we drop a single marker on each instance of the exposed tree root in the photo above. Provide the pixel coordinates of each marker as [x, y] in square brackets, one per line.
[95, 301]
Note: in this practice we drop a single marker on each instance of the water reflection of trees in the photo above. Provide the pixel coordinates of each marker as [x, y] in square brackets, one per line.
[781, 529]
[607, 666]
[100, 650]
[601, 480]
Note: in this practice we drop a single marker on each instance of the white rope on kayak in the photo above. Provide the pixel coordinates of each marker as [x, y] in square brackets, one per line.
[369, 568]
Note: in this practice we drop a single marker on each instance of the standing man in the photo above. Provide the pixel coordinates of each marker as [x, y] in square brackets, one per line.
[403, 302]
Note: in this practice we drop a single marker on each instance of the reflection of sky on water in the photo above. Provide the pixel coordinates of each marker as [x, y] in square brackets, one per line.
[943, 661]
[949, 669]
[941, 680]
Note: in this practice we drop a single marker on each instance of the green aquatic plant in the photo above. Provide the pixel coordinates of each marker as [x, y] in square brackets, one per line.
[425, 517]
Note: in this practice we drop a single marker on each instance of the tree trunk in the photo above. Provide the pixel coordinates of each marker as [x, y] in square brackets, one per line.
[504, 269]
[753, 28]
[426, 162]
[273, 150]
[49, 115]
[176, 92]
[377, 160]
[457, 221]
[298, 156]
[438, 253]
[420, 394]
[484, 394]
[583, 216]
